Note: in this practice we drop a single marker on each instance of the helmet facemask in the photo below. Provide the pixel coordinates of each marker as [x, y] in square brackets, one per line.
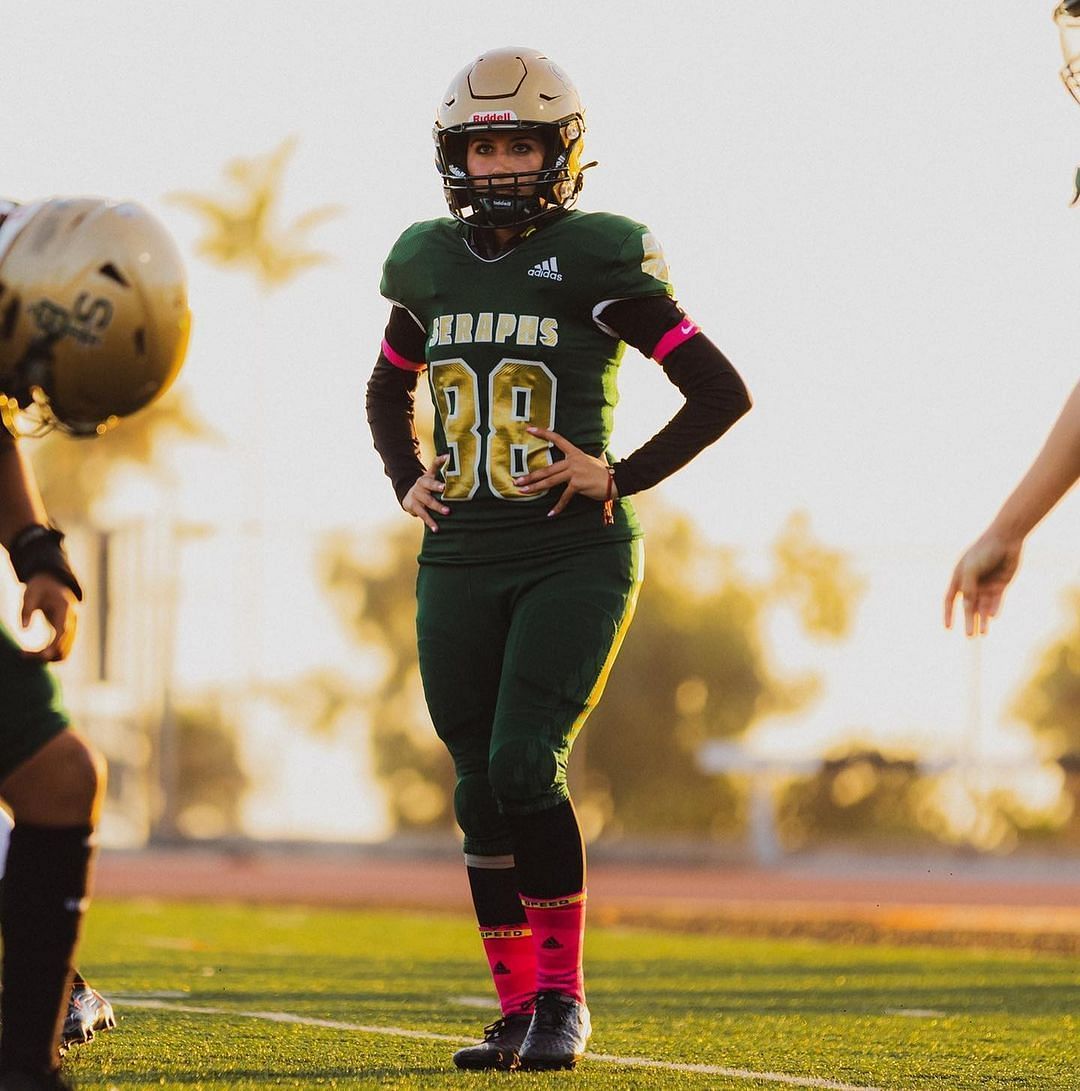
[513, 199]
[24, 406]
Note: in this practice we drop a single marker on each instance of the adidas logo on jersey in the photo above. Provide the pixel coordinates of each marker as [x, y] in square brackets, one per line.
[548, 269]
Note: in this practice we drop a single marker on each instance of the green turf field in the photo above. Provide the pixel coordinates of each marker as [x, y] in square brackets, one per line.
[230, 997]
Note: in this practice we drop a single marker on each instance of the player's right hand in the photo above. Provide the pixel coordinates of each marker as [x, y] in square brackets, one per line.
[423, 498]
[56, 603]
[980, 577]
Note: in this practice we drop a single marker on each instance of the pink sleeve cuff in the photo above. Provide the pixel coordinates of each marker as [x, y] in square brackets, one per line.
[674, 338]
[398, 360]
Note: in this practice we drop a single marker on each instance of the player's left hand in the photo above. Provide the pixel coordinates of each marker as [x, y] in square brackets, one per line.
[579, 472]
[981, 576]
[56, 603]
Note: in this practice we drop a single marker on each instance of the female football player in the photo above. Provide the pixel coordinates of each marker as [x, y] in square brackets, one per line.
[519, 310]
[95, 324]
[985, 570]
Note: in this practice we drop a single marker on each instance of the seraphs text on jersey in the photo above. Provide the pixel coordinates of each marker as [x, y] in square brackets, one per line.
[497, 328]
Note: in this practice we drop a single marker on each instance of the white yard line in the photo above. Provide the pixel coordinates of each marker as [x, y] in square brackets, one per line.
[404, 1032]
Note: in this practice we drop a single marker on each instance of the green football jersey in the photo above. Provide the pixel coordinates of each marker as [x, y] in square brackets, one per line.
[513, 341]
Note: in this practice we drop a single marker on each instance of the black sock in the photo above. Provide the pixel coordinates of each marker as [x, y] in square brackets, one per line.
[44, 897]
[549, 852]
[495, 896]
[78, 979]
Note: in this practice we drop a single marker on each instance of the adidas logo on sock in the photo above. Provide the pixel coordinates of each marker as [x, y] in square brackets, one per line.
[548, 269]
[499, 968]
[551, 944]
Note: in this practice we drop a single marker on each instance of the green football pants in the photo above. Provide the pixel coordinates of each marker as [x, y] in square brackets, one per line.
[514, 656]
[32, 711]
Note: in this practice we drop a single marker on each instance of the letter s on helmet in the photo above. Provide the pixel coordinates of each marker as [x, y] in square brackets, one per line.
[510, 89]
[94, 316]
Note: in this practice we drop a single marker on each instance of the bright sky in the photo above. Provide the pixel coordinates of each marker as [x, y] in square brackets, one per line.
[864, 204]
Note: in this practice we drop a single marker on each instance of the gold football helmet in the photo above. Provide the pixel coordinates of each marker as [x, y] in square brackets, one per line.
[94, 316]
[507, 89]
[1067, 17]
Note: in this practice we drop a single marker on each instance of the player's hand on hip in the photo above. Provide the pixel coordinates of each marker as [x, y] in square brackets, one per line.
[424, 497]
[579, 472]
[980, 578]
[55, 601]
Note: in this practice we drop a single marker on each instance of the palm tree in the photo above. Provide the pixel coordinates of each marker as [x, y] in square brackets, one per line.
[241, 231]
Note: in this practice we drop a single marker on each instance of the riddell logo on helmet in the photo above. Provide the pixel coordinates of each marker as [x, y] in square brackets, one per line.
[494, 115]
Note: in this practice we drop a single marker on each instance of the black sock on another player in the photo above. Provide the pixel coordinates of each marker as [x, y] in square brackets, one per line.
[549, 852]
[78, 979]
[45, 889]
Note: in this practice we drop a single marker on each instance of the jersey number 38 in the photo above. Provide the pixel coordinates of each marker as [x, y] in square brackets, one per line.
[520, 393]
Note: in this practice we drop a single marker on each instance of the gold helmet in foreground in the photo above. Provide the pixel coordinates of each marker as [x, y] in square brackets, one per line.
[1067, 17]
[94, 317]
[510, 89]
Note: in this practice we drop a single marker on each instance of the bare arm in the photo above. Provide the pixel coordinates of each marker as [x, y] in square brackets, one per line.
[986, 569]
[50, 588]
[20, 502]
[1052, 474]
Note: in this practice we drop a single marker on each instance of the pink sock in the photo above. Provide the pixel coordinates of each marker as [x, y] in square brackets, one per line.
[509, 950]
[558, 928]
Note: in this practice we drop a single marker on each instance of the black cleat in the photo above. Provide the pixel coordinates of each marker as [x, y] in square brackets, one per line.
[88, 1012]
[557, 1035]
[500, 1047]
[33, 1081]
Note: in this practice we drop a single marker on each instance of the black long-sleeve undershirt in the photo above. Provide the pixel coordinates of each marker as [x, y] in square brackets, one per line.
[391, 403]
[716, 396]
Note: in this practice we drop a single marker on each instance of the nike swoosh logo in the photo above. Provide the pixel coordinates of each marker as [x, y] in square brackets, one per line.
[686, 327]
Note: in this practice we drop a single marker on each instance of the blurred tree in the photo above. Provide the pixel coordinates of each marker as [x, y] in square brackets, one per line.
[694, 666]
[816, 580]
[209, 783]
[1050, 704]
[75, 474]
[242, 231]
[864, 794]
[1050, 700]
[375, 595]
[861, 795]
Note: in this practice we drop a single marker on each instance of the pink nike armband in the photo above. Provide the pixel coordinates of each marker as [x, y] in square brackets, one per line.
[674, 338]
[399, 361]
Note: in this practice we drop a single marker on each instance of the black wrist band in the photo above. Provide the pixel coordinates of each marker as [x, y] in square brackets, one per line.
[38, 548]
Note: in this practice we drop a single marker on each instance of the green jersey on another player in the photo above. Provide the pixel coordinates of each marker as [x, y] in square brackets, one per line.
[514, 341]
